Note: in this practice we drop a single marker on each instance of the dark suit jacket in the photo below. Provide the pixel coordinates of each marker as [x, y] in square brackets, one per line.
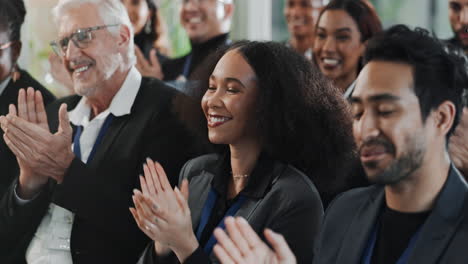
[173, 68]
[290, 205]
[99, 193]
[8, 164]
[351, 217]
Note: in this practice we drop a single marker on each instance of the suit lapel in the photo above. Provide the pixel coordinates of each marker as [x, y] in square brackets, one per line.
[199, 189]
[443, 222]
[357, 236]
[107, 141]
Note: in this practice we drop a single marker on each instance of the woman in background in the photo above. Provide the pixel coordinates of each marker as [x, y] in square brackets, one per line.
[341, 35]
[273, 125]
[151, 42]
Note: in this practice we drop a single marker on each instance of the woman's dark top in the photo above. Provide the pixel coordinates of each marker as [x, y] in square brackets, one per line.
[278, 196]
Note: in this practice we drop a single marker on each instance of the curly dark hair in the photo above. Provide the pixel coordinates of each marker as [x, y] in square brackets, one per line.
[12, 15]
[439, 74]
[303, 120]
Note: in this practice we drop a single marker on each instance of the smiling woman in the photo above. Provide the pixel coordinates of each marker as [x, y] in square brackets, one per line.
[342, 31]
[270, 123]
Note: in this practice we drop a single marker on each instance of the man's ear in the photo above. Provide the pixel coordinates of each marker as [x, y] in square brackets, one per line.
[444, 116]
[225, 11]
[124, 35]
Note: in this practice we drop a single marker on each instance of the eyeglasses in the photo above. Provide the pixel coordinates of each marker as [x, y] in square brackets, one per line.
[5, 46]
[201, 2]
[80, 38]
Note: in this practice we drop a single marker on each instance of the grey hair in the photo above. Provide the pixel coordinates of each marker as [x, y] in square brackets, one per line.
[111, 12]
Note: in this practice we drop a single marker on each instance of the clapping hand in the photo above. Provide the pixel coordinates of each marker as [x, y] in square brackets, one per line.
[40, 154]
[243, 246]
[147, 68]
[162, 213]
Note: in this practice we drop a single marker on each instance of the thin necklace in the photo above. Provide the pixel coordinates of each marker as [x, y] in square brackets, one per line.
[239, 176]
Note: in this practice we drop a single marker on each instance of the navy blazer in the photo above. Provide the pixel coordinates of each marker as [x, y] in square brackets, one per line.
[352, 216]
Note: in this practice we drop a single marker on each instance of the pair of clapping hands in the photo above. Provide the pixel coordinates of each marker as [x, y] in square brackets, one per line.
[40, 154]
[163, 214]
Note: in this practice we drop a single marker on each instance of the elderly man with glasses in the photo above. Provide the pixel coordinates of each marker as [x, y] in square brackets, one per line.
[80, 158]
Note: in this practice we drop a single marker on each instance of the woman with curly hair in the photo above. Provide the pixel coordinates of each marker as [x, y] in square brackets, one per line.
[277, 129]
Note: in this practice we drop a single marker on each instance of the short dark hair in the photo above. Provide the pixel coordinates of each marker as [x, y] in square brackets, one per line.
[12, 13]
[302, 119]
[439, 74]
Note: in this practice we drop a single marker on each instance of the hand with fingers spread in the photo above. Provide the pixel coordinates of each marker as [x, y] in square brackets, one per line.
[243, 246]
[147, 68]
[41, 154]
[163, 214]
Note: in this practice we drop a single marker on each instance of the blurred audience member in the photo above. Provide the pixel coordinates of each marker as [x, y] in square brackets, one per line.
[341, 35]
[301, 16]
[270, 137]
[406, 105]
[458, 14]
[12, 79]
[207, 23]
[151, 40]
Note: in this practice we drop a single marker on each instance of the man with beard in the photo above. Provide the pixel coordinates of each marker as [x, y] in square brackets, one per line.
[458, 15]
[301, 16]
[406, 105]
[70, 202]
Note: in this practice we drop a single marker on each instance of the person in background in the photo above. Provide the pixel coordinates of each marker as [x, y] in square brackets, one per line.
[407, 104]
[80, 158]
[271, 145]
[301, 17]
[207, 23]
[342, 31]
[458, 16]
[151, 38]
[12, 79]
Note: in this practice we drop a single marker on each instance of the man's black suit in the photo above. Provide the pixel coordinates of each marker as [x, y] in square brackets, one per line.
[99, 193]
[351, 218]
[8, 164]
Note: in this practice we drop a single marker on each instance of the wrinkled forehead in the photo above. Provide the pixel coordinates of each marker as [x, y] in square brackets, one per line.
[77, 17]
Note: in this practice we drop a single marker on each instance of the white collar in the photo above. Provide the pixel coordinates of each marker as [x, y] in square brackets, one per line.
[4, 84]
[120, 105]
[349, 90]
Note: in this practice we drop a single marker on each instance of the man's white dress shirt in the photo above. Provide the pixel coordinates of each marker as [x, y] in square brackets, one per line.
[51, 242]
